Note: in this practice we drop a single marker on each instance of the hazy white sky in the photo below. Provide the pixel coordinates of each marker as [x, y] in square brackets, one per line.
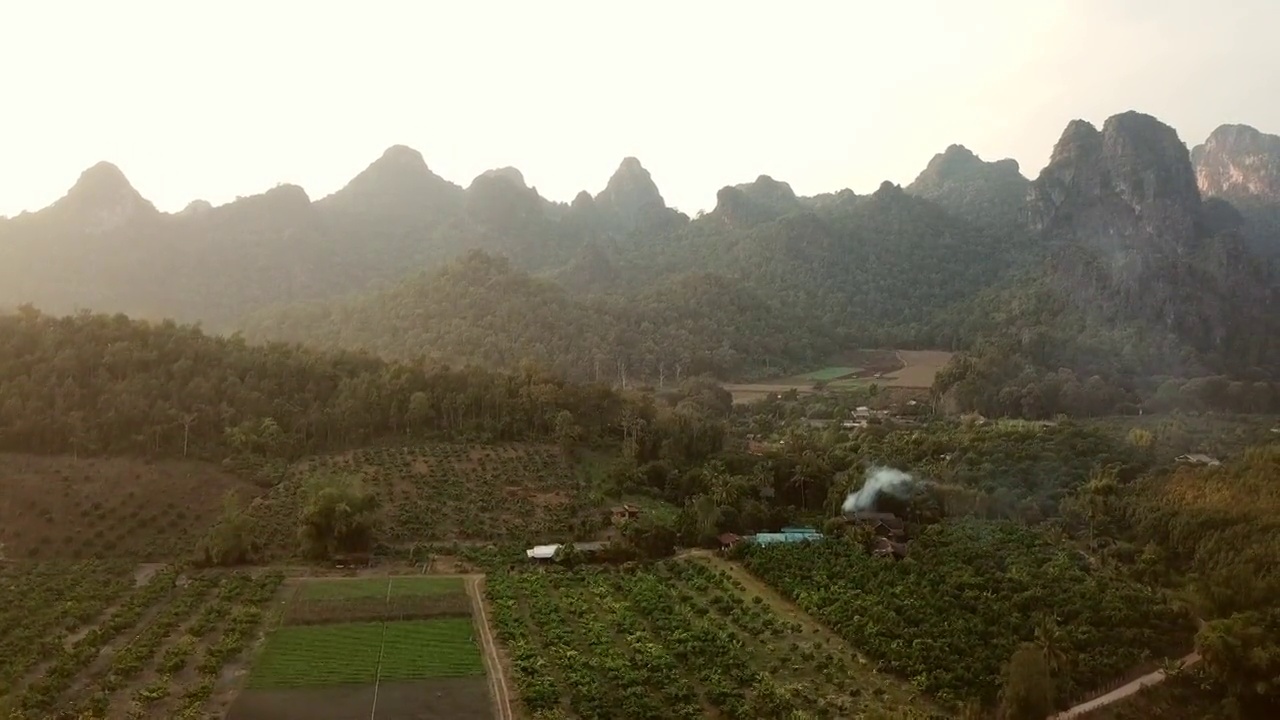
[218, 99]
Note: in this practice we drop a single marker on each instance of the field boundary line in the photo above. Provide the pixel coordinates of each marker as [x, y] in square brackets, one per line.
[382, 646]
[497, 678]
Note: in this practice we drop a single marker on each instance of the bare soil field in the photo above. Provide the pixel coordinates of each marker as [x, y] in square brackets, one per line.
[919, 368]
[439, 699]
[898, 369]
[66, 508]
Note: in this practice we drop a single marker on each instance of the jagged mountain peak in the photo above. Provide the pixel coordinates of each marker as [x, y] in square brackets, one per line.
[631, 191]
[1135, 167]
[761, 200]
[102, 198]
[1239, 162]
[399, 181]
[959, 162]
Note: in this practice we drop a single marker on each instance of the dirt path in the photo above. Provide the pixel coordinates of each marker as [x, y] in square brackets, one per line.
[1123, 691]
[497, 678]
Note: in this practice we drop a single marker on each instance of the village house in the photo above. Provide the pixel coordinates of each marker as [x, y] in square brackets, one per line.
[884, 547]
[624, 513]
[885, 525]
[729, 540]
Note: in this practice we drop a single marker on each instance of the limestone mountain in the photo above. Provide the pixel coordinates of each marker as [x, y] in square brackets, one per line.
[991, 193]
[1143, 278]
[631, 200]
[1238, 161]
[1242, 165]
[760, 201]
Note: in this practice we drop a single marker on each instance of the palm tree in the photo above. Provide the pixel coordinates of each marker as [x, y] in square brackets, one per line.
[1052, 642]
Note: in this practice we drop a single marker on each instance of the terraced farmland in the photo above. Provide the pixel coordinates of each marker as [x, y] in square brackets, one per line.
[677, 640]
[444, 492]
[100, 639]
[388, 648]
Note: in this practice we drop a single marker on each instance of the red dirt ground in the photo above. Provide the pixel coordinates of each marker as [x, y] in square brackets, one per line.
[65, 508]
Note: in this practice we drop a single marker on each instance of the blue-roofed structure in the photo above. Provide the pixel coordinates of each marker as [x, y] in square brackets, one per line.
[788, 535]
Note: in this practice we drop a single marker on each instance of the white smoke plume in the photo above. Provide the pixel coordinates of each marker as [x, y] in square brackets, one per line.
[878, 480]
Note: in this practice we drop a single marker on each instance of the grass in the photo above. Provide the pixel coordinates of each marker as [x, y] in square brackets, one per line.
[348, 653]
[376, 587]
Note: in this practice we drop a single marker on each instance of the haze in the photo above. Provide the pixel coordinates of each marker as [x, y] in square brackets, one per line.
[235, 97]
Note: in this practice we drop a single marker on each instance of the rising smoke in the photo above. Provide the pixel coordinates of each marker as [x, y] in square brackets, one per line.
[879, 480]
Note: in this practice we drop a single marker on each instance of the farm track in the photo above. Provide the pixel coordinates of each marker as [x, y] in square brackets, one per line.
[497, 677]
[1122, 692]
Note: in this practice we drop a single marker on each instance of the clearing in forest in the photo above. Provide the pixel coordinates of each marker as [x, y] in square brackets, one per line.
[87, 640]
[678, 639]
[389, 648]
[438, 492]
[65, 508]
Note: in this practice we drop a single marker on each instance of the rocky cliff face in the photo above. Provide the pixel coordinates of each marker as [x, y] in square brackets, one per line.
[1241, 165]
[1132, 237]
[1237, 161]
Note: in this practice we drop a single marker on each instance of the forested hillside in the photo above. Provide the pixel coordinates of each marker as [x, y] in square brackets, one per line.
[103, 384]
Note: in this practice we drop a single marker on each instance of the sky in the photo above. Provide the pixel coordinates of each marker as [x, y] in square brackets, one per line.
[219, 100]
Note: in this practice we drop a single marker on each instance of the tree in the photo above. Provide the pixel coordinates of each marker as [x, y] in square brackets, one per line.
[1028, 687]
[338, 515]
[1242, 653]
[1051, 640]
[650, 536]
[231, 541]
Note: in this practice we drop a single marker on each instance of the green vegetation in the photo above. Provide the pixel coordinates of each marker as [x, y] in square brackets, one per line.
[357, 653]
[180, 635]
[828, 373]
[975, 590]
[108, 385]
[673, 639]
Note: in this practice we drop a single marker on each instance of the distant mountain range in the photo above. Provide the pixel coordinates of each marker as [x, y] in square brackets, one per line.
[1125, 229]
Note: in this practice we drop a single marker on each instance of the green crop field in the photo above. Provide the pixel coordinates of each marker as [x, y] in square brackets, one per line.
[360, 653]
[361, 588]
[828, 373]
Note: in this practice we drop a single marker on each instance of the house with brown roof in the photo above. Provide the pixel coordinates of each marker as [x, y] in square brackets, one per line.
[886, 525]
[729, 540]
[624, 513]
[884, 547]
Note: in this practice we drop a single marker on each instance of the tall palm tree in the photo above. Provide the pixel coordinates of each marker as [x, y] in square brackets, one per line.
[1052, 642]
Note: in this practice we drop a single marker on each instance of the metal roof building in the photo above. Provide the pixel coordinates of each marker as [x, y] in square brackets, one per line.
[788, 535]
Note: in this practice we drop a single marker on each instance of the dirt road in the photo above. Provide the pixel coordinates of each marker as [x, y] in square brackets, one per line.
[497, 679]
[1123, 691]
